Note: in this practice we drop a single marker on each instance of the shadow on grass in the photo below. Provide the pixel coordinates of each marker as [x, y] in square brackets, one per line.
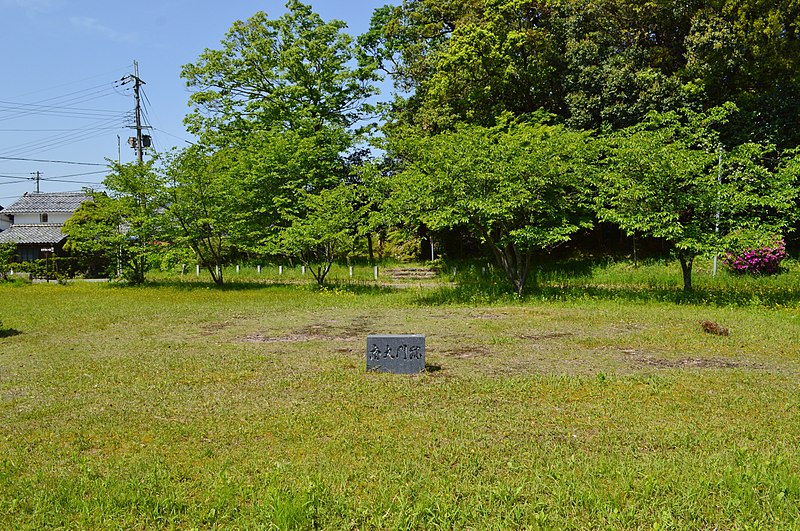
[475, 294]
[254, 285]
[9, 332]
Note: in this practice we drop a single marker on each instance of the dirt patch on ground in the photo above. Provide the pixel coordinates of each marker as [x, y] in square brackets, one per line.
[644, 359]
[548, 335]
[209, 329]
[490, 316]
[467, 352]
[360, 327]
[291, 338]
[625, 327]
[331, 330]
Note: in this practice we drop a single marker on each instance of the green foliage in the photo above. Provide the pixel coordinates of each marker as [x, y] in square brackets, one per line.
[594, 63]
[121, 229]
[279, 106]
[521, 187]
[661, 180]
[94, 235]
[268, 175]
[292, 72]
[52, 268]
[199, 207]
[8, 252]
[325, 231]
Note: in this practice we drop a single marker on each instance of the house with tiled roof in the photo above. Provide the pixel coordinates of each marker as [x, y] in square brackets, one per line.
[36, 220]
[5, 221]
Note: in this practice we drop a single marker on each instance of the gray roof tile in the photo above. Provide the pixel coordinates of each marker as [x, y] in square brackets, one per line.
[47, 202]
[39, 233]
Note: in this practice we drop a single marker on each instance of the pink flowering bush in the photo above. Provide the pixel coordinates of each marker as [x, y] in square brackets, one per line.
[764, 261]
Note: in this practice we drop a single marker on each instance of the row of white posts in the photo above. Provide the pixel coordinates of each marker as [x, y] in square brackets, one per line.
[280, 270]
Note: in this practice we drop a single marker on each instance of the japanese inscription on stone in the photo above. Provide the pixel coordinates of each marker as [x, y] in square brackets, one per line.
[399, 354]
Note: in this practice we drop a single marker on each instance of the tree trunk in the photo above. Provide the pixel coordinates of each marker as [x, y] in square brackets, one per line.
[686, 268]
[369, 248]
[515, 263]
[217, 277]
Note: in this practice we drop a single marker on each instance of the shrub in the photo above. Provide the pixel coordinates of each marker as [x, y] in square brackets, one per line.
[763, 261]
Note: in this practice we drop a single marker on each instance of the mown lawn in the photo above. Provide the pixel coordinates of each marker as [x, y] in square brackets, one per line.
[184, 406]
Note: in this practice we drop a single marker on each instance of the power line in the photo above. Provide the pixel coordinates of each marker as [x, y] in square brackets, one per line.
[74, 182]
[30, 147]
[102, 74]
[58, 112]
[49, 143]
[3, 130]
[174, 136]
[55, 161]
[76, 175]
[57, 103]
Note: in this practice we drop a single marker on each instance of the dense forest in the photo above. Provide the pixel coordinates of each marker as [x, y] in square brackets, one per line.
[515, 129]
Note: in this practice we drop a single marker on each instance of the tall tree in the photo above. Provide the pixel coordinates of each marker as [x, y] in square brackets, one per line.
[595, 63]
[281, 105]
[326, 229]
[294, 72]
[521, 187]
[466, 61]
[664, 178]
[95, 235]
[199, 207]
[138, 204]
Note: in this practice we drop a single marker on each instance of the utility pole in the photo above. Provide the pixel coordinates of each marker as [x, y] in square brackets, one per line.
[716, 225]
[137, 83]
[38, 175]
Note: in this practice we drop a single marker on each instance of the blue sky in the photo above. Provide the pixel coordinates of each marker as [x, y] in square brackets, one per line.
[60, 60]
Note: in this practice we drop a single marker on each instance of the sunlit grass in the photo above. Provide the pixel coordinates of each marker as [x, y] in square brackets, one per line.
[180, 405]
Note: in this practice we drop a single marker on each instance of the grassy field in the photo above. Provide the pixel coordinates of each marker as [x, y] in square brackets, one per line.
[595, 403]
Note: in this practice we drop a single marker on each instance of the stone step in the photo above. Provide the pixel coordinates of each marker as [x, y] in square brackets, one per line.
[399, 273]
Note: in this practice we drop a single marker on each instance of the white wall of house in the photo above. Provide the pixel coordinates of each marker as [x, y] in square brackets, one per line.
[30, 219]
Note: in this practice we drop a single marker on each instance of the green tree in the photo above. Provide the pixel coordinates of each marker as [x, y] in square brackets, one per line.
[466, 61]
[663, 178]
[94, 235]
[199, 207]
[293, 72]
[521, 187]
[268, 177]
[326, 229]
[594, 63]
[139, 200]
[280, 106]
[8, 252]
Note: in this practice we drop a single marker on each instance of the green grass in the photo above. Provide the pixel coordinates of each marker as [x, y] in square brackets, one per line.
[178, 405]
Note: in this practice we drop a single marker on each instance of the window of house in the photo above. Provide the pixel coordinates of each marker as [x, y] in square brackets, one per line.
[43, 218]
[28, 254]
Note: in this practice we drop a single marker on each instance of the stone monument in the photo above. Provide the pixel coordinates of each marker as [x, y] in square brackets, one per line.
[398, 353]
